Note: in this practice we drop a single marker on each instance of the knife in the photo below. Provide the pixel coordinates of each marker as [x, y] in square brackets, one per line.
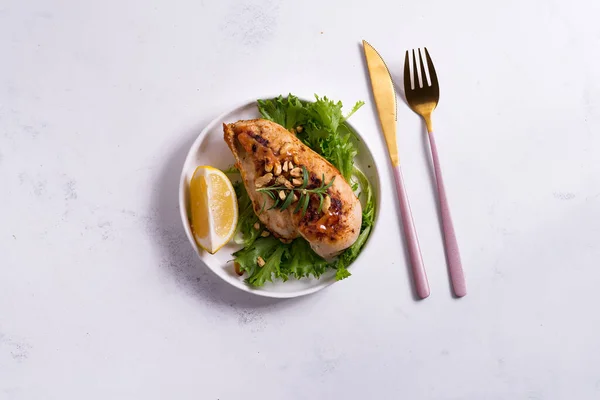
[385, 101]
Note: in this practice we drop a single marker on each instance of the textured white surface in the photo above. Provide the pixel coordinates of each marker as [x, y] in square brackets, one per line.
[101, 296]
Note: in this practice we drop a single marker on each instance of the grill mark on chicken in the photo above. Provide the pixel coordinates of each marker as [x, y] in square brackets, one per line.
[336, 205]
[314, 181]
[258, 138]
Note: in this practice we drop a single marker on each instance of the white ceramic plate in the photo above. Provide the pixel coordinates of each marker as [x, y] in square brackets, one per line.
[210, 149]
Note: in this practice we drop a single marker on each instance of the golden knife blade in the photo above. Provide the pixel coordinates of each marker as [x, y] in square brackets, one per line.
[385, 98]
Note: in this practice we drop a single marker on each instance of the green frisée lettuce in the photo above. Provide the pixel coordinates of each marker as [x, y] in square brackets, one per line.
[303, 261]
[247, 257]
[270, 269]
[289, 113]
[321, 126]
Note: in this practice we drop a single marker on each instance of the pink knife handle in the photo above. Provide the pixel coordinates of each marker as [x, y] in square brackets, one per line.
[414, 251]
[457, 275]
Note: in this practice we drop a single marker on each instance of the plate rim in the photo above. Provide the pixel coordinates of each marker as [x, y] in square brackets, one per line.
[184, 217]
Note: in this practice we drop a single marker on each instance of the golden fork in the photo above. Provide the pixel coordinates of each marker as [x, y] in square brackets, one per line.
[422, 100]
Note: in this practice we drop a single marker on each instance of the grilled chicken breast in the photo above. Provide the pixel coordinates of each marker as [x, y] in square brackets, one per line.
[267, 154]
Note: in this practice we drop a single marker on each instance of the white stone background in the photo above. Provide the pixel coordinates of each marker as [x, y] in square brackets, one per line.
[101, 296]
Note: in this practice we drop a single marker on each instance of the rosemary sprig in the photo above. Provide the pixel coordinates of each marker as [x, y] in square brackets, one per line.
[302, 193]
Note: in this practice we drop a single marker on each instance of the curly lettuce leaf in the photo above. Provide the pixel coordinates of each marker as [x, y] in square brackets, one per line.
[342, 273]
[303, 261]
[326, 112]
[297, 260]
[327, 134]
[270, 269]
[247, 258]
[340, 150]
[289, 113]
[357, 105]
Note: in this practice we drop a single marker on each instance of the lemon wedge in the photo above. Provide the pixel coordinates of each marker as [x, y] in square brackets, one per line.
[214, 208]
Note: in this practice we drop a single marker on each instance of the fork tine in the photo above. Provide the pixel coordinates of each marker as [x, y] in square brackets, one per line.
[432, 74]
[415, 73]
[407, 86]
[422, 64]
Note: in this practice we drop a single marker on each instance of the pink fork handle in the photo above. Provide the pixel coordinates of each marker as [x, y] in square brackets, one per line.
[414, 251]
[457, 275]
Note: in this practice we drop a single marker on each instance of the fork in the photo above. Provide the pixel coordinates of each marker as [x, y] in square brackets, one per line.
[423, 99]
